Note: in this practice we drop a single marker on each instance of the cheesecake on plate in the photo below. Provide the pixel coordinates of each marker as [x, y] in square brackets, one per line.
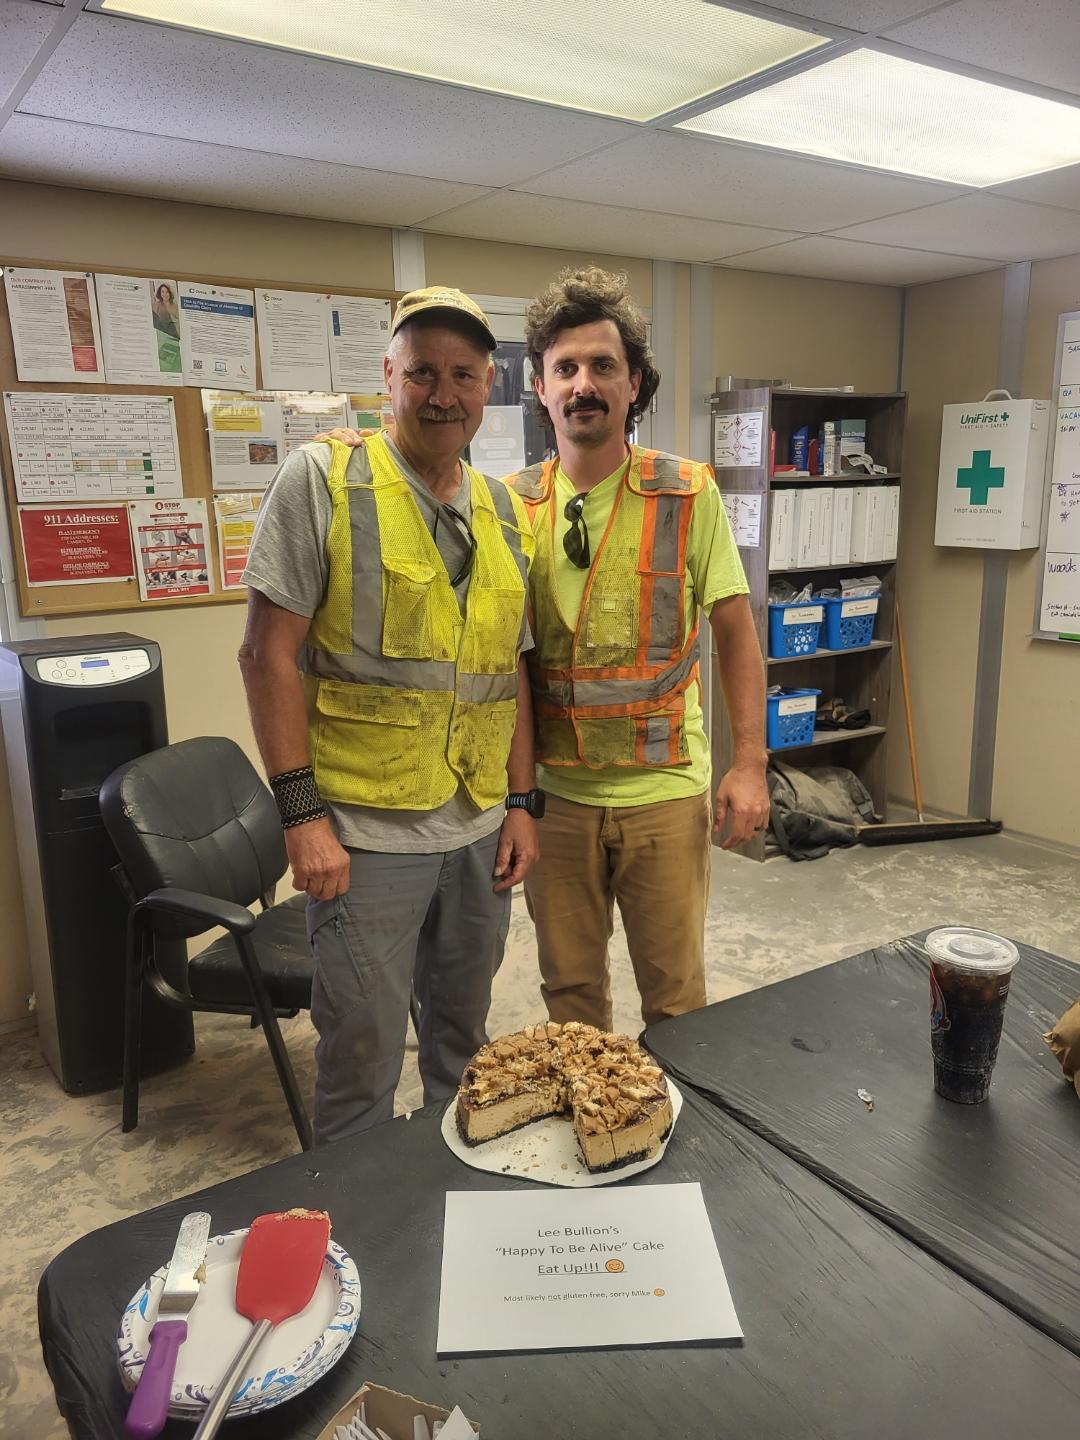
[614, 1096]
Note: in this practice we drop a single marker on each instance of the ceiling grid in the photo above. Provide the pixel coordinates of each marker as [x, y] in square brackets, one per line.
[106, 101]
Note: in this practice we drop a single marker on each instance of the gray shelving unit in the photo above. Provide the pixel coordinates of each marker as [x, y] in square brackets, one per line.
[862, 676]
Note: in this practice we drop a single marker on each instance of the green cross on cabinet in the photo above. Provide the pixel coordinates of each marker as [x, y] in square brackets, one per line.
[980, 477]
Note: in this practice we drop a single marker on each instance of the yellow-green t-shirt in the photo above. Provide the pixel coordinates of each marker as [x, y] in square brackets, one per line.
[713, 572]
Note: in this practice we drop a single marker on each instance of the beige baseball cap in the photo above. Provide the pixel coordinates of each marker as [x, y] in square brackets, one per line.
[441, 297]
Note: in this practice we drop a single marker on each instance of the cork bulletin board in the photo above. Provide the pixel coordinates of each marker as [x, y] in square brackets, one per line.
[123, 595]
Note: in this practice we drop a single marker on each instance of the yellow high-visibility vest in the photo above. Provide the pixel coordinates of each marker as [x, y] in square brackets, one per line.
[408, 697]
[611, 688]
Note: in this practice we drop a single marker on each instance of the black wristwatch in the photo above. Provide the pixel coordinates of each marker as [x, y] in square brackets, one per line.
[531, 801]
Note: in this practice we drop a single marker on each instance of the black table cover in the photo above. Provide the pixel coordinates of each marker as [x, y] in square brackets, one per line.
[850, 1330]
[993, 1190]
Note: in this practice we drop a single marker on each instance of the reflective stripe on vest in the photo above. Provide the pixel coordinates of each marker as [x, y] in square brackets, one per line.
[611, 689]
[407, 696]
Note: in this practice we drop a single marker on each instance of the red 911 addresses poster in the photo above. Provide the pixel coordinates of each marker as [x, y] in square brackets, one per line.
[76, 544]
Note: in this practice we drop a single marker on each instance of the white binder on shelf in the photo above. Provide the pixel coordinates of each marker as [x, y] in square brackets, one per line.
[892, 522]
[783, 505]
[867, 524]
[808, 527]
[840, 553]
[823, 526]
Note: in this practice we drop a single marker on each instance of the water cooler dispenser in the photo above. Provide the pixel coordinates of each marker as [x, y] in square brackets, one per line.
[74, 708]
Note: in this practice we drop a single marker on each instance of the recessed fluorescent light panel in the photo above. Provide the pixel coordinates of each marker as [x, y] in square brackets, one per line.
[629, 59]
[869, 108]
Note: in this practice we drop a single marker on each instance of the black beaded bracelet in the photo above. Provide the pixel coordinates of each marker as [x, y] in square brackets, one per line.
[297, 797]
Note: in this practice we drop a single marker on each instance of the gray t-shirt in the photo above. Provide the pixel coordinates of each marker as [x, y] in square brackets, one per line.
[288, 563]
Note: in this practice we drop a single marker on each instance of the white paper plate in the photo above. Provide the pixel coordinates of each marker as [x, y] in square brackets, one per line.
[293, 1356]
[546, 1150]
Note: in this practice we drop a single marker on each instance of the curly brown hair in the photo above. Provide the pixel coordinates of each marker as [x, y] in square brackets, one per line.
[581, 297]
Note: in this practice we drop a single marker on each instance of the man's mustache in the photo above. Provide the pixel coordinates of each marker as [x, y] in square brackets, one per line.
[433, 412]
[585, 402]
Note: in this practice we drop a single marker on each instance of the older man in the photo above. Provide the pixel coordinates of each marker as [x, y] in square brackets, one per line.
[390, 703]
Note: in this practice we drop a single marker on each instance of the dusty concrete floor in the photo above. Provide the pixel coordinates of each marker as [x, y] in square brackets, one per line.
[222, 1113]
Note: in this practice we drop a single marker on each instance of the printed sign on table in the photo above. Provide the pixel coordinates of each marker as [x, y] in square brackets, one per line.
[570, 1269]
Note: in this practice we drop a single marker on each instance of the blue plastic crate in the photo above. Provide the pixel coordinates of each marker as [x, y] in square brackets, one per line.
[794, 629]
[850, 623]
[789, 718]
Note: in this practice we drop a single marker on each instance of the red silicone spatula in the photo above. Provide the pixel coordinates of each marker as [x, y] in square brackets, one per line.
[280, 1266]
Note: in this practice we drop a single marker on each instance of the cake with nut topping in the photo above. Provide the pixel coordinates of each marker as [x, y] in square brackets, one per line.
[614, 1096]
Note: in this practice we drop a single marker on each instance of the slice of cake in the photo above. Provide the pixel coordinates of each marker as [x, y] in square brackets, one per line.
[614, 1096]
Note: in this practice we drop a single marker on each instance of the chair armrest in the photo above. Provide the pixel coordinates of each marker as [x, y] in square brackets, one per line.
[194, 906]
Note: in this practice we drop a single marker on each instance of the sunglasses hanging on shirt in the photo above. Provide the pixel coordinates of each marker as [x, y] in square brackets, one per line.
[576, 540]
[465, 531]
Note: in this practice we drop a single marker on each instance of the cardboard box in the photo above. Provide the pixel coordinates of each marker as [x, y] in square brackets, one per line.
[389, 1410]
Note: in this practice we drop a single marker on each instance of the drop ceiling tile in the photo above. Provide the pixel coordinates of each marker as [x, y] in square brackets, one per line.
[136, 76]
[1037, 40]
[825, 258]
[979, 224]
[611, 59]
[864, 15]
[1056, 187]
[89, 157]
[23, 26]
[660, 170]
[522, 219]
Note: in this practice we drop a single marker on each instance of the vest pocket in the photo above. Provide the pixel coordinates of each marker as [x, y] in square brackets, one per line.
[407, 584]
[480, 738]
[496, 629]
[611, 621]
[367, 744]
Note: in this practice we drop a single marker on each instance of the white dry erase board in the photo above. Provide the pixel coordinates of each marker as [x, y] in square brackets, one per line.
[1057, 600]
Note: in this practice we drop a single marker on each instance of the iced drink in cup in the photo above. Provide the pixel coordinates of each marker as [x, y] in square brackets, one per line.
[970, 972]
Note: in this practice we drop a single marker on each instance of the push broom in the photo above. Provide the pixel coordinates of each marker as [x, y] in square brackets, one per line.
[909, 832]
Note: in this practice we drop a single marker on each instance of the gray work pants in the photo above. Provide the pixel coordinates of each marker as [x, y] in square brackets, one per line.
[429, 921]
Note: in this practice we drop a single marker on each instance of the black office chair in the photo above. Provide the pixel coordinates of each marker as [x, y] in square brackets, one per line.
[199, 839]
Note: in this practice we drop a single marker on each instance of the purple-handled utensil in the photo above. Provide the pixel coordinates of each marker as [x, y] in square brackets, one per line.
[150, 1404]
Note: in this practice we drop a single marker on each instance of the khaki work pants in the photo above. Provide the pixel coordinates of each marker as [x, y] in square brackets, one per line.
[654, 861]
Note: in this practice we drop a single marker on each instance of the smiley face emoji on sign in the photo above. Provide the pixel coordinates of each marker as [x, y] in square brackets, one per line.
[615, 1266]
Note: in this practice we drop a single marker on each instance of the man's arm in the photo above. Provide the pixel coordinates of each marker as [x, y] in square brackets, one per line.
[320, 864]
[519, 843]
[742, 795]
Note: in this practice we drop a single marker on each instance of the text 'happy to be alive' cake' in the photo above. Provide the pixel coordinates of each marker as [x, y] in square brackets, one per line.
[615, 1097]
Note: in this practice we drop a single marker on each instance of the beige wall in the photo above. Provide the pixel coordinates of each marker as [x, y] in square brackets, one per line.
[1037, 781]
[47, 222]
[485, 267]
[951, 354]
[811, 332]
[951, 340]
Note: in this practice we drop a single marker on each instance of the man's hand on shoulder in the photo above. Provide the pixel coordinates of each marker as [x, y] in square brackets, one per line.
[348, 437]
[320, 863]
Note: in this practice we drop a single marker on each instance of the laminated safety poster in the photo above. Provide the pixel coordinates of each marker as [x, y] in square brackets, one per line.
[54, 324]
[172, 548]
[235, 516]
[217, 336]
[140, 330]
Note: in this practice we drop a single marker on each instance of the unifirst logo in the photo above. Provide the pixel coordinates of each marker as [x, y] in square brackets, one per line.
[980, 417]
